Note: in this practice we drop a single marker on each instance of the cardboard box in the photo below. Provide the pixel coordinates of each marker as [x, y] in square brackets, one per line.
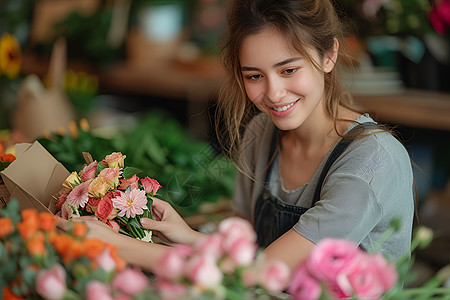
[34, 178]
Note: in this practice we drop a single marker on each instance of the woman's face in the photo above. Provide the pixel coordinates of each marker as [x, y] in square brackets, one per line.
[280, 82]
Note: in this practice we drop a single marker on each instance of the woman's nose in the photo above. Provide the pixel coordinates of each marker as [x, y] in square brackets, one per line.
[275, 90]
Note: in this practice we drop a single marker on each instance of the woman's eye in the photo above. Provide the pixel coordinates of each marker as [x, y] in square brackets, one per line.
[254, 77]
[289, 71]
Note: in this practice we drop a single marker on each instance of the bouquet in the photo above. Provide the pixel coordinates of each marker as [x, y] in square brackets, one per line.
[39, 262]
[221, 266]
[111, 193]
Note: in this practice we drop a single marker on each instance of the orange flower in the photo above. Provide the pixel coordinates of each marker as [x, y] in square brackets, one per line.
[29, 224]
[61, 243]
[36, 245]
[6, 227]
[6, 157]
[94, 247]
[46, 221]
[75, 250]
[8, 295]
[79, 229]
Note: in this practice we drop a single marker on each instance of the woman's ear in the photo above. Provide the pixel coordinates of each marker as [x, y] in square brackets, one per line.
[330, 59]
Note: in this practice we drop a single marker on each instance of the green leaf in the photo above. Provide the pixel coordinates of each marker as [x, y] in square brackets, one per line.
[128, 172]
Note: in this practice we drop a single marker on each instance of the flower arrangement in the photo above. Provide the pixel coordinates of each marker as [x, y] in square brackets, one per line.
[111, 193]
[39, 262]
[221, 266]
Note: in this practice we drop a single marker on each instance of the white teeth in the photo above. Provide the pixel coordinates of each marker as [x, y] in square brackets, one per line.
[283, 108]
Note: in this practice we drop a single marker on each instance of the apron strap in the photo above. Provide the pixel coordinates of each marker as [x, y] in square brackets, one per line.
[337, 151]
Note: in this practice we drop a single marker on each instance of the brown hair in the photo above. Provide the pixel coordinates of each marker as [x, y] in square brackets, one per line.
[304, 23]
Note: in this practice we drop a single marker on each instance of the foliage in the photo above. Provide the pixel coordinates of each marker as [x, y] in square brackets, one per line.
[190, 170]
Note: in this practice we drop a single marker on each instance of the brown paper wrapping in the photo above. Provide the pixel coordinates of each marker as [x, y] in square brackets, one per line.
[34, 178]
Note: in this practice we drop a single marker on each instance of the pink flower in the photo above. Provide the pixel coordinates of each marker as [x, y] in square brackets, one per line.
[51, 283]
[303, 286]
[170, 290]
[104, 208]
[88, 172]
[203, 270]
[113, 225]
[96, 290]
[63, 193]
[132, 182]
[363, 279]
[111, 175]
[235, 228]
[115, 159]
[130, 281]
[440, 16]
[151, 186]
[79, 196]
[275, 276]
[67, 212]
[211, 245]
[106, 261]
[387, 271]
[242, 251]
[131, 203]
[331, 257]
[171, 265]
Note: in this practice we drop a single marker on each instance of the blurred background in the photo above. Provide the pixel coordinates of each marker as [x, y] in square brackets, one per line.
[140, 77]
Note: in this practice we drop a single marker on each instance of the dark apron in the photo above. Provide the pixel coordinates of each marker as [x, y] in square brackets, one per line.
[273, 217]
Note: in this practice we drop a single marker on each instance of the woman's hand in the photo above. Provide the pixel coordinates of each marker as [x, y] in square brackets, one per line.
[169, 226]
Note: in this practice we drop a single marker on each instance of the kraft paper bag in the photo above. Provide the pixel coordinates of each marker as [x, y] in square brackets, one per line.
[35, 177]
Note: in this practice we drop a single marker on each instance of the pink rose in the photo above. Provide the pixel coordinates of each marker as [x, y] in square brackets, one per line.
[111, 175]
[235, 228]
[132, 182]
[106, 261]
[331, 257]
[114, 160]
[88, 172]
[151, 186]
[171, 265]
[96, 290]
[242, 251]
[211, 245]
[104, 208]
[363, 279]
[275, 276]
[51, 283]
[130, 281]
[303, 286]
[387, 271]
[113, 225]
[170, 290]
[203, 270]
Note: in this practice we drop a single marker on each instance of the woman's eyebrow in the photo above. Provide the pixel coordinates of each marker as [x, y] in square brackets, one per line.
[277, 65]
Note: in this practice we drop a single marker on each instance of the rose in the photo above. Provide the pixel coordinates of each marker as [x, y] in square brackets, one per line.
[105, 208]
[203, 270]
[362, 280]
[132, 182]
[130, 281]
[242, 251]
[99, 187]
[331, 257]
[97, 290]
[171, 265]
[211, 245]
[170, 290]
[115, 159]
[51, 283]
[72, 180]
[111, 175]
[88, 172]
[275, 276]
[303, 285]
[235, 228]
[151, 186]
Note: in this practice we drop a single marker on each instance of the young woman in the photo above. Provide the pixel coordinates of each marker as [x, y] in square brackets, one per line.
[282, 58]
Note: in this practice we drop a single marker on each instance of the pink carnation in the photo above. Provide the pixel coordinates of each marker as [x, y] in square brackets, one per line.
[130, 203]
[79, 196]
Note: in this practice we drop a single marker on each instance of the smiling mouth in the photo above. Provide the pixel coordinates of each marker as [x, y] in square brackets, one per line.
[284, 108]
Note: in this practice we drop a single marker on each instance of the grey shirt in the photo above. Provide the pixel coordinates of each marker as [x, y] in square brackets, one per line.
[368, 185]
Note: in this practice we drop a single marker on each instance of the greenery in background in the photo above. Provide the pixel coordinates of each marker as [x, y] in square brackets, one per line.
[189, 170]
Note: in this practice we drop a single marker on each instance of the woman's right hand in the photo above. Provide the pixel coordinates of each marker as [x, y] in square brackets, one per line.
[169, 226]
